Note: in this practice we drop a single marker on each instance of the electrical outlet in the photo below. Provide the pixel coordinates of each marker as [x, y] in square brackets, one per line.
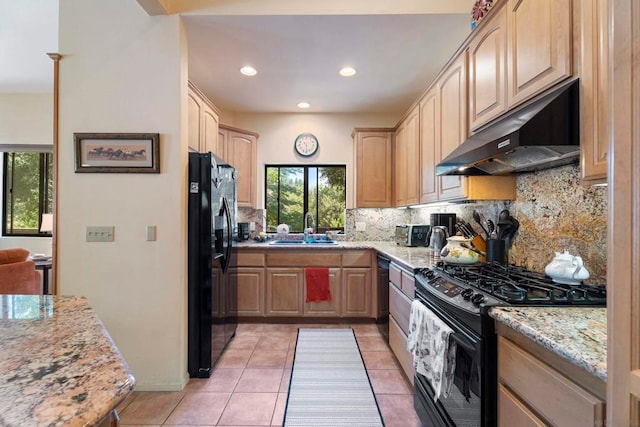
[361, 226]
[99, 233]
[151, 233]
[252, 226]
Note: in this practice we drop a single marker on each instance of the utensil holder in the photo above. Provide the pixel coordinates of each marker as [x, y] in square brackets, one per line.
[496, 251]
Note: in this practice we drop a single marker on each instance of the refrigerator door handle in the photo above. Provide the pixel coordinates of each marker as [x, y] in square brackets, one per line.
[225, 241]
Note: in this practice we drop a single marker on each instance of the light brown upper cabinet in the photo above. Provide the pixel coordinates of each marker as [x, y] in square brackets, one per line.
[442, 129]
[590, 62]
[239, 148]
[452, 121]
[488, 69]
[202, 123]
[374, 179]
[429, 146]
[539, 46]
[407, 164]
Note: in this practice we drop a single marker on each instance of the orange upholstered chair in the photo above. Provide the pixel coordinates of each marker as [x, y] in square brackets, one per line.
[17, 274]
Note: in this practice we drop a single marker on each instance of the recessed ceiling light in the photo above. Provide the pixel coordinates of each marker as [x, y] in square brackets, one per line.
[347, 71]
[303, 105]
[248, 70]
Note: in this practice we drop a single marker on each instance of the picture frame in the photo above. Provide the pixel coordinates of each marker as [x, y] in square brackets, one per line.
[117, 152]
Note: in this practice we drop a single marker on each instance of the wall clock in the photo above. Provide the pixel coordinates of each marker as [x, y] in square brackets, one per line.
[306, 144]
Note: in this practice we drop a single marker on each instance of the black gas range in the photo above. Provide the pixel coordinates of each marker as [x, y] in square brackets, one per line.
[461, 296]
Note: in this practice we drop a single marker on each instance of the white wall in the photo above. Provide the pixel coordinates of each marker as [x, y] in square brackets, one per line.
[278, 131]
[26, 118]
[124, 71]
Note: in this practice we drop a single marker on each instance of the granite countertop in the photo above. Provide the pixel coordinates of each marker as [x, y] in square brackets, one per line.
[58, 364]
[411, 257]
[578, 334]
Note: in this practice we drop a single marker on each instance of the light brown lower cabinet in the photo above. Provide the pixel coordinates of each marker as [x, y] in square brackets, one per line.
[531, 392]
[271, 283]
[356, 292]
[284, 291]
[250, 288]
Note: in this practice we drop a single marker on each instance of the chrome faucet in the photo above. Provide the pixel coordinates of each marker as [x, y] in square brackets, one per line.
[306, 221]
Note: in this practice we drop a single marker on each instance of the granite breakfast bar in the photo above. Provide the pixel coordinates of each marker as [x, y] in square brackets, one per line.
[58, 364]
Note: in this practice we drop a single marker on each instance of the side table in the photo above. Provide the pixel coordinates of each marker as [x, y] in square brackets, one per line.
[44, 266]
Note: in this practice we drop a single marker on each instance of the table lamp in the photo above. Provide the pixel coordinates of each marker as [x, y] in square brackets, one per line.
[46, 226]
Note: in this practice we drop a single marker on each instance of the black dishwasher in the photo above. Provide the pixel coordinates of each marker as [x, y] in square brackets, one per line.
[383, 296]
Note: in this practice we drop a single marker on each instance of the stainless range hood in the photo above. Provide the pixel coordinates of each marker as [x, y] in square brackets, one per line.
[541, 134]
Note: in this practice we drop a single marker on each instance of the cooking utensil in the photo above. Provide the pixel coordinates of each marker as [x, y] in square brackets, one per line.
[478, 220]
[491, 226]
[504, 216]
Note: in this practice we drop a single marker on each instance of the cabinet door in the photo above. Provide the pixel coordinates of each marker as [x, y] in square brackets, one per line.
[284, 291]
[250, 290]
[591, 60]
[412, 157]
[356, 292]
[373, 169]
[195, 113]
[539, 52]
[325, 308]
[453, 121]
[429, 147]
[241, 154]
[209, 141]
[400, 169]
[221, 149]
[487, 70]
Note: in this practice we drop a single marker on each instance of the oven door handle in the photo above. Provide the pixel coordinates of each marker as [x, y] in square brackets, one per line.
[462, 342]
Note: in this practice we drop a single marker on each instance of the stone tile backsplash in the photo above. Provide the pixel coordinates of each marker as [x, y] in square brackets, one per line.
[555, 212]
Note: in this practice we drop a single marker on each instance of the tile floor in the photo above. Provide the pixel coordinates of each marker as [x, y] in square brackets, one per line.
[249, 384]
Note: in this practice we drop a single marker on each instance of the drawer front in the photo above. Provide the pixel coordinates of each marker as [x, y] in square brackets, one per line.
[398, 343]
[546, 390]
[360, 258]
[512, 412]
[395, 275]
[250, 259]
[399, 308]
[303, 258]
[408, 284]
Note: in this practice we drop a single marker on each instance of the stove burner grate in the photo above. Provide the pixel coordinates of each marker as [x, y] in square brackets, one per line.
[515, 284]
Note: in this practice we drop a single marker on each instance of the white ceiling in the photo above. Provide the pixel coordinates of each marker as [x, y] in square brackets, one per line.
[298, 58]
[28, 31]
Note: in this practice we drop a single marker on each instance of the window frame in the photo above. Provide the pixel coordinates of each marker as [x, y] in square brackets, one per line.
[305, 202]
[44, 152]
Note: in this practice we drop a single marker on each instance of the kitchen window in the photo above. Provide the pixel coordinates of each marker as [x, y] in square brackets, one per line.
[293, 190]
[27, 192]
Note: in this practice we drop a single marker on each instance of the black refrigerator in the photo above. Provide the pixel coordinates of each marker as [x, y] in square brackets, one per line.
[212, 290]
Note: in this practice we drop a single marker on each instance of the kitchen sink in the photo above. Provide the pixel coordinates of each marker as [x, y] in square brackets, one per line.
[300, 242]
[286, 242]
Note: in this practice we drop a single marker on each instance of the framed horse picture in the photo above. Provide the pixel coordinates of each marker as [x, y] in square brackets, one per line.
[117, 152]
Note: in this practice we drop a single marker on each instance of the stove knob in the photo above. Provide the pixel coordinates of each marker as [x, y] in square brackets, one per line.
[429, 274]
[467, 294]
[478, 299]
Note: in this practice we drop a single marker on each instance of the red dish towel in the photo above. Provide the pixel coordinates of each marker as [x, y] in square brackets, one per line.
[317, 280]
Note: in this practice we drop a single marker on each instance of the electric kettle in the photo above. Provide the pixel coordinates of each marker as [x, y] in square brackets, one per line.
[438, 238]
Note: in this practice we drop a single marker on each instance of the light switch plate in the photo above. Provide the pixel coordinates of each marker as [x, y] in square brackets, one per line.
[99, 233]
